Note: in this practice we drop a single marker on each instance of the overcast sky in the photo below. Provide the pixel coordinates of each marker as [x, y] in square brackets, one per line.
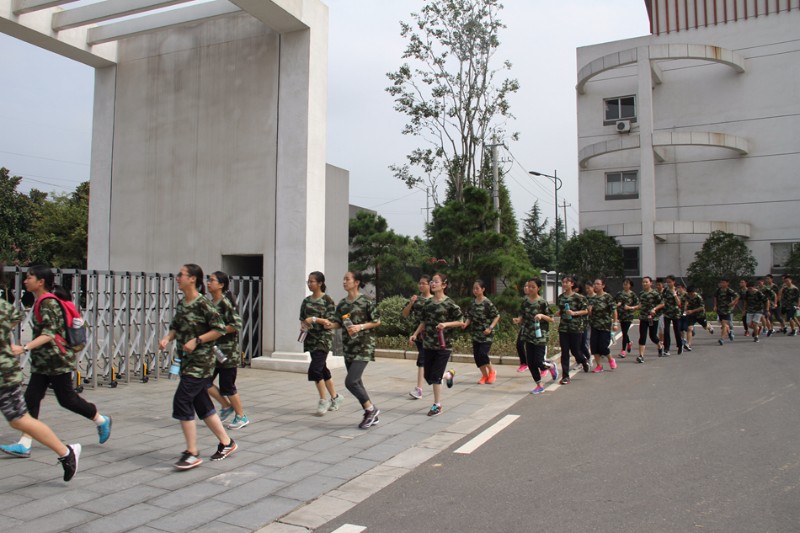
[46, 103]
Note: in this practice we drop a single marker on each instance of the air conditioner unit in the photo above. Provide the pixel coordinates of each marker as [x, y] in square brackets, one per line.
[623, 126]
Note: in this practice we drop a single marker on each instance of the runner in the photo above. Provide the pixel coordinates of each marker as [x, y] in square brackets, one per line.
[741, 293]
[535, 319]
[775, 310]
[603, 320]
[788, 299]
[650, 306]
[770, 295]
[52, 362]
[195, 327]
[439, 315]
[316, 312]
[572, 308]
[672, 315]
[414, 309]
[755, 305]
[725, 299]
[482, 318]
[358, 316]
[696, 312]
[627, 302]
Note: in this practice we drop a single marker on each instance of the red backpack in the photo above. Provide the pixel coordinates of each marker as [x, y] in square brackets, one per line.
[75, 329]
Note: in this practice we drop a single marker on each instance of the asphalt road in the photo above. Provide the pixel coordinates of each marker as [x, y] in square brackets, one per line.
[704, 441]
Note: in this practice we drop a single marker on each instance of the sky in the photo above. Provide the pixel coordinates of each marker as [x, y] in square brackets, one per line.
[46, 103]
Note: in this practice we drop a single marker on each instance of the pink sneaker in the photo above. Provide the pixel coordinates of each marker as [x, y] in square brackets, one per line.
[598, 369]
[612, 364]
[522, 368]
[630, 345]
[623, 354]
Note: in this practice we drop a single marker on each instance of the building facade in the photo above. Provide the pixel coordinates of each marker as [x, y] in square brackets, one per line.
[692, 129]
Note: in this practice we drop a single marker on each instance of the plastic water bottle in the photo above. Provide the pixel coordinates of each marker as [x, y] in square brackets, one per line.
[348, 323]
[221, 357]
[440, 336]
[566, 308]
[175, 367]
[537, 329]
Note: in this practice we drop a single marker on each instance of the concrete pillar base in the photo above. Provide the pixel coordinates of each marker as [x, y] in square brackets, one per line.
[292, 362]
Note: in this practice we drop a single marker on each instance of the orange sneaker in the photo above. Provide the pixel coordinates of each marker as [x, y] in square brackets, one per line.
[483, 379]
[492, 377]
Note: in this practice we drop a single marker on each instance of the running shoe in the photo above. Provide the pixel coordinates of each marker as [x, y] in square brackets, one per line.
[491, 379]
[665, 353]
[687, 348]
[70, 462]
[660, 351]
[565, 380]
[436, 410]
[597, 369]
[720, 342]
[585, 365]
[370, 418]
[538, 390]
[225, 413]
[630, 347]
[612, 364]
[187, 461]
[784, 330]
[337, 402]
[770, 332]
[680, 349]
[449, 375]
[522, 368]
[640, 359]
[554, 371]
[730, 336]
[416, 393]
[483, 379]
[17, 450]
[746, 333]
[623, 354]
[104, 430]
[322, 407]
[239, 422]
[711, 330]
[755, 338]
[224, 451]
[793, 333]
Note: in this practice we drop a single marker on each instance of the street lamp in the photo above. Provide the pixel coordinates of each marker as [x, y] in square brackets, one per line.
[556, 185]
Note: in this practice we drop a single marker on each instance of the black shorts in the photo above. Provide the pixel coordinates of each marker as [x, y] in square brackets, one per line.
[435, 365]
[227, 380]
[191, 397]
[788, 314]
[480, 351]
[724, 316]
[12, 403]
[420, 353]
[600, 340]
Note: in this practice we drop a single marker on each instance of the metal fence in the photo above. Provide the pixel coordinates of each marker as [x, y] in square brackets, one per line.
[126, 314]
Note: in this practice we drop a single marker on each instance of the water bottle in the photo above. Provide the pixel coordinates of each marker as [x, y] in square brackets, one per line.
[175, 367]
[567, 316]
[440, 335]
[348, 323]
[221, 357]
[650, 319]
[537, 329]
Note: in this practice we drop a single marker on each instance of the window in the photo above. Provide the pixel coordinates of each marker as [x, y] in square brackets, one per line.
[619, 108]
[630, 261]
[780, 255]
[622, 185]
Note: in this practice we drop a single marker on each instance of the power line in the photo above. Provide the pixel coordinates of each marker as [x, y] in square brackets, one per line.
[45, 158]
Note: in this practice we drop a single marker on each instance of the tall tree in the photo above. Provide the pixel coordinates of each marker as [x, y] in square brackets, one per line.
[59, 234]
[538, 243]
[450, 93]
[16, 216]
[592, 254]
[722, 255]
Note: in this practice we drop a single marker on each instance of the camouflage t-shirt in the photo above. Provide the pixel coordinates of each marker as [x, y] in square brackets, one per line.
[10, 372]
[671, 308]
[528, 310]
[481, 314]
[695, 302]
[229, 343]
[318, 338]
[724, 300]
[770, 294]
[789, 297]
[602, 314]
[416, 314]
[49, 359]
[755, 302]
[626, 298]
[433, 314]
[572, 324]
[362, 310]
[191, 320]
[649, 300]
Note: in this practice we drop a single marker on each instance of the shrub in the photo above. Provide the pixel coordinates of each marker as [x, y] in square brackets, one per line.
[393, 323]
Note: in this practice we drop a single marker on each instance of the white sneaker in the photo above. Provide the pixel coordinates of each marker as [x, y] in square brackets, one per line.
[416, 393]
[323, 406]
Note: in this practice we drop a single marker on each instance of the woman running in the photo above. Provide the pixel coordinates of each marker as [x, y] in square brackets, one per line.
[358, 316]
[227, 394]
[414, 309]
[316, 313]
[603, 320]
[650, 306]
[482, 318]
[627, 303]
[195, 326]
[535, 319]
[572, 308]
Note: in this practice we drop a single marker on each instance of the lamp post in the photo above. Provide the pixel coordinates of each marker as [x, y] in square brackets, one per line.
[556, 186]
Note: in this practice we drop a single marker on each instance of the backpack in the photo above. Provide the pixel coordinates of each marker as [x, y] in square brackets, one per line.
[73, 325]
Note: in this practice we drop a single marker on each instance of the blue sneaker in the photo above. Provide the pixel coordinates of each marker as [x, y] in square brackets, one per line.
[225, 413]
[16, 450]
[554, 371]
[104, 430]
[538, 390]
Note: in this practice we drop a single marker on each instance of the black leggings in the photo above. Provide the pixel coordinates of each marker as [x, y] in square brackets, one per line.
[676, 328]
[355, 369]
[570, 343]
[645, 328]
[523, 358]
[535, 356]
[626, 340]
[65, 394]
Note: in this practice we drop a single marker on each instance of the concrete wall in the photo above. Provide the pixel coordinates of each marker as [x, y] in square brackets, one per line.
[761, 189]
[337, 230]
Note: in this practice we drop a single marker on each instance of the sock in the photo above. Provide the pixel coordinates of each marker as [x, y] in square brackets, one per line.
[66, 454]
[26, 441]
[99, 419]
[370, 409]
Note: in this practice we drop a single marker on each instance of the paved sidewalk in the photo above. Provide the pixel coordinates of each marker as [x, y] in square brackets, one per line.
[293, 470]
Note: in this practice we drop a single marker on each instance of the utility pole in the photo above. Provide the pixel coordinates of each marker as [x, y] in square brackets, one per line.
[496, 183]
[565, 205]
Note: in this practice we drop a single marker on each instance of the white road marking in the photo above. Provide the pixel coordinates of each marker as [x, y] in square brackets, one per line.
[487, 434]
[349, 528]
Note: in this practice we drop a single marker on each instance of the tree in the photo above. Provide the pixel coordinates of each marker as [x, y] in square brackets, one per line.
[463, 235]
[16, 216]
[451, 96]
[384, 257]
[59, 234]
[537, 242]
[592, 254]
[723, 255]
